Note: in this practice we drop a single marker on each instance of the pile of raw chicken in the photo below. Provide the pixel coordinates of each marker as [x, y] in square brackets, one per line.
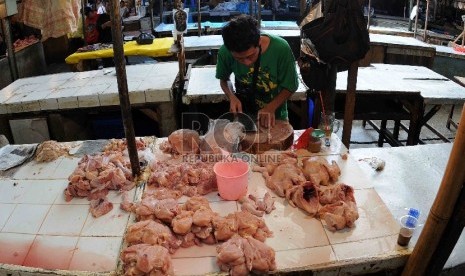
[164, 224]
[99, 173]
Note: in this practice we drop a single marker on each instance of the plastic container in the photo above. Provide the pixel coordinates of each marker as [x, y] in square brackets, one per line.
[407, 227]
[232, 178]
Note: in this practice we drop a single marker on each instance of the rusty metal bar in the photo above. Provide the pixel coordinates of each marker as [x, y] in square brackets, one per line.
[120, 67]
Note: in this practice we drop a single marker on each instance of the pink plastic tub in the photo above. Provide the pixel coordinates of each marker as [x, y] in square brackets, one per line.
[232, 179]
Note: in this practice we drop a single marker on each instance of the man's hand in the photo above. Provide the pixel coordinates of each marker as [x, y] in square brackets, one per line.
[235, 105]
[266, 117]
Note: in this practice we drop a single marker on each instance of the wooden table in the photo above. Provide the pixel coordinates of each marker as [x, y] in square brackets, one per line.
[149, 87]
[415, 85]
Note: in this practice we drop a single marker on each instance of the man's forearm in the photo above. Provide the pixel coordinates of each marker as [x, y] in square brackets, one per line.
[279, 99]
[227, 88]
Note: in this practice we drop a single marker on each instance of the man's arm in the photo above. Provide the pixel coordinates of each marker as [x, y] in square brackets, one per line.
[235, 105]
[266, 115]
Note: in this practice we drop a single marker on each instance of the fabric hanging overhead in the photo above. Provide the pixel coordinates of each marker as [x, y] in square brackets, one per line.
[54, 18]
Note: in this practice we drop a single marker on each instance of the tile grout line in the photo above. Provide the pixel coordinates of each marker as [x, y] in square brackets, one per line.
[12, 211]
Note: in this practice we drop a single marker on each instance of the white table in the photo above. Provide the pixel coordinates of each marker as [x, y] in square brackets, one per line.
[418, 84]
[147, 84]
[411, 178]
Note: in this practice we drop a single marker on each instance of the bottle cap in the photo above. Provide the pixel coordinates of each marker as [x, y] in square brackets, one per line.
[318, 133]
[414, 213]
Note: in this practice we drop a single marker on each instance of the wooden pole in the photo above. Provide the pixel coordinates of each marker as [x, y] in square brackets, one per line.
[259, 11]
[349, 108]
[6, 25]
[369, 14]
[416, 20]
[409, 19]
[425, 35]
[120, 67]
[83, 6]
[443, 206]
[449, 238]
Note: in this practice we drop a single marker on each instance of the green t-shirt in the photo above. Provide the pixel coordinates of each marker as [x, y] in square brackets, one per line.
[277, 71]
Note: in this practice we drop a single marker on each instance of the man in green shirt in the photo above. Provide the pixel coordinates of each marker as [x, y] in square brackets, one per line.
[244, 50]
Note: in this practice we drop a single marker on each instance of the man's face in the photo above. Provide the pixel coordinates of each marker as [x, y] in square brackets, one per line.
[247, 57]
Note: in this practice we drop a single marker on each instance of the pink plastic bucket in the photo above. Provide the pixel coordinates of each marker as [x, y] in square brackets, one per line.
[232, 179]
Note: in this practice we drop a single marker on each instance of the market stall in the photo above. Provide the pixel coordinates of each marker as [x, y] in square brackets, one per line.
[73, 234]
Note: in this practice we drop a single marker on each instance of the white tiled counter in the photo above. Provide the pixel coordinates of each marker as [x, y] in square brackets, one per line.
[147, 84]
[45, 231]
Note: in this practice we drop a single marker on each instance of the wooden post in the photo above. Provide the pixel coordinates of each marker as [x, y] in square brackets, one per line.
[409, 19]
[303, 8]
[416, 20]
[425, 35]
[6, 25]
[369, 14]
[120, 67]
[83, 5]
[350, 103]
[443, 206]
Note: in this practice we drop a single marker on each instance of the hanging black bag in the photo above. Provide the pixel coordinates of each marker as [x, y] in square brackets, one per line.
[341, 36]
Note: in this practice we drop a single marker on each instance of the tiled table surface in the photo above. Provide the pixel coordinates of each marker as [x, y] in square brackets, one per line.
[147, 83]
[37, 223]
[400, 188]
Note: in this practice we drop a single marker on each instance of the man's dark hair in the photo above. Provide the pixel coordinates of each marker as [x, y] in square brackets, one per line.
[241, 33]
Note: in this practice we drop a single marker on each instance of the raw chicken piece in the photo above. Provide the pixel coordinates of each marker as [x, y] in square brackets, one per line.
[269, 203]
[250, 205]
[250, 225]
[182, 223]
[239, 256]
[340, 214]
[195, 203]
[225, 227]
[315, 172]
[183, 141]
[154, 233]
[319, 171]
[145, 259]
[335, 193]
[166, 209]
[161, 193]
[152, 208]
[261, 256]
[231, 257]
[284, 177]
[305, 197]
[189, 240]
[100, 207]
[203, 216]
[266, 205]
[127, 205]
